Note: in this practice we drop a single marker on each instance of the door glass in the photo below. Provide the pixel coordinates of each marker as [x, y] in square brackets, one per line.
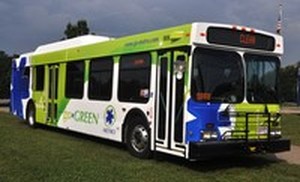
[178, 115]
[163, 97]
[53, 92]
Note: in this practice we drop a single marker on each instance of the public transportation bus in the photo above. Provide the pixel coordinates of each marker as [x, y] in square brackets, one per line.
[193, 91]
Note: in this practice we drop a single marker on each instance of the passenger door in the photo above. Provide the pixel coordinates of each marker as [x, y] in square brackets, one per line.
[169, 135]
[52, 93]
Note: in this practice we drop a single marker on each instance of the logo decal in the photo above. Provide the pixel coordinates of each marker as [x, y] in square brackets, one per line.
[110, 116]
[81, 116]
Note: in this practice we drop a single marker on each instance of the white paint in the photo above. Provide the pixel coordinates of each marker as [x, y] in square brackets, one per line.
[71, 43]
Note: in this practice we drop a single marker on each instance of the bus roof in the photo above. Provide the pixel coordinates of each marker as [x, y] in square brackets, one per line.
[90, 46]
[70, 43]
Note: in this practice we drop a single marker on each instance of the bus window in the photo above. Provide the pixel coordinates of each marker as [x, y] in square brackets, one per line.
[134, 78]
[75, 80]
[100, 79]
[25, 82]
[217, 76]
[39, 78]
[26, 73]
[262, 83]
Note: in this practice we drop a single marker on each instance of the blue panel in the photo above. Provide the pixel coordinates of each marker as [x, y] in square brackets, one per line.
[204, 113]
[20, 87]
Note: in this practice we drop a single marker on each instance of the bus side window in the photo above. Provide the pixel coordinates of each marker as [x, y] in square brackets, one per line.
[100, 79]
[39, 78]
[25, 82]
[26, 73]
[74, 80]
[134, 78]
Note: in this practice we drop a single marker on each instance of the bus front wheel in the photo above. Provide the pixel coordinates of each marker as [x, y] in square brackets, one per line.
[138, 138]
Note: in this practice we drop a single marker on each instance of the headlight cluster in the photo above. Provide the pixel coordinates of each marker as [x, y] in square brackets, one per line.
[276, 133]
[209, 135]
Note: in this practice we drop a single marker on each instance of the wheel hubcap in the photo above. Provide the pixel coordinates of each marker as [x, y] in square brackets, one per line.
[139, 138]
[31, 118]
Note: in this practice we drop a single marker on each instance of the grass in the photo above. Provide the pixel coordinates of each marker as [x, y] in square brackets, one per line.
[46, 154]
[291, 129]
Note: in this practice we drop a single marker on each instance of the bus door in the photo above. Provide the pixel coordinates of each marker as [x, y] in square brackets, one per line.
[169, 136]
[52, 93]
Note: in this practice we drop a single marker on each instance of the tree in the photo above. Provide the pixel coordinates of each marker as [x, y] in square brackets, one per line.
[5, 74]
[81, 28]
[288, 83]
[70, 31]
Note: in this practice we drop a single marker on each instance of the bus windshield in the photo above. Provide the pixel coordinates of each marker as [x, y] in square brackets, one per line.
[262, 81]
[217, 76]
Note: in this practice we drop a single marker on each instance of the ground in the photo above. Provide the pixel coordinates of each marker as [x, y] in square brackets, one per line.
[291, 157]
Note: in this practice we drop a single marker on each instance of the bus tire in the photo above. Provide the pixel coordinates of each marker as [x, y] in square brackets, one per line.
[138, 138]
[30, 117]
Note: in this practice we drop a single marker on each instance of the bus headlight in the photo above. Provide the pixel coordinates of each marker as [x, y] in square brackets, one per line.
[209, 135]
[275, 133]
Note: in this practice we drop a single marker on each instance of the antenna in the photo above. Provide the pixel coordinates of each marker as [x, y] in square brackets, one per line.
[279, 20]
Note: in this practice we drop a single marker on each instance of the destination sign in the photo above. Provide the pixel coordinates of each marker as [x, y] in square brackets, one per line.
[240, 38]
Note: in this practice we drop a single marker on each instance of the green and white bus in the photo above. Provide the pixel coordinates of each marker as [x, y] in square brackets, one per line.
[193, 91]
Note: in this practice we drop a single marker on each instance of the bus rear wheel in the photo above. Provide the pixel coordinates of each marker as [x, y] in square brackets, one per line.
[30, 118]
[138, 138]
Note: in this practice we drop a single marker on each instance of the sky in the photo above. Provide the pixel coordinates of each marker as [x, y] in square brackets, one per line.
[27, 24]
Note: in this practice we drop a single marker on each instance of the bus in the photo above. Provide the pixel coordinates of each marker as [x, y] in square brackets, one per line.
[194, 91]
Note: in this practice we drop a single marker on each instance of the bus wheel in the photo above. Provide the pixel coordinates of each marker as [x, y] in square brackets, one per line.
[138, 138]
[31, 117]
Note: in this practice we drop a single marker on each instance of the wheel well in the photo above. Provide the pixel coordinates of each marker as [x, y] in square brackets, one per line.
[132, 113]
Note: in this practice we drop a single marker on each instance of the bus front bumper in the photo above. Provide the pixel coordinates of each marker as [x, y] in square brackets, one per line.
[201, 150]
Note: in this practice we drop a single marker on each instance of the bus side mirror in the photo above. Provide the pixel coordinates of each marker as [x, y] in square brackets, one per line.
[179, 68]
